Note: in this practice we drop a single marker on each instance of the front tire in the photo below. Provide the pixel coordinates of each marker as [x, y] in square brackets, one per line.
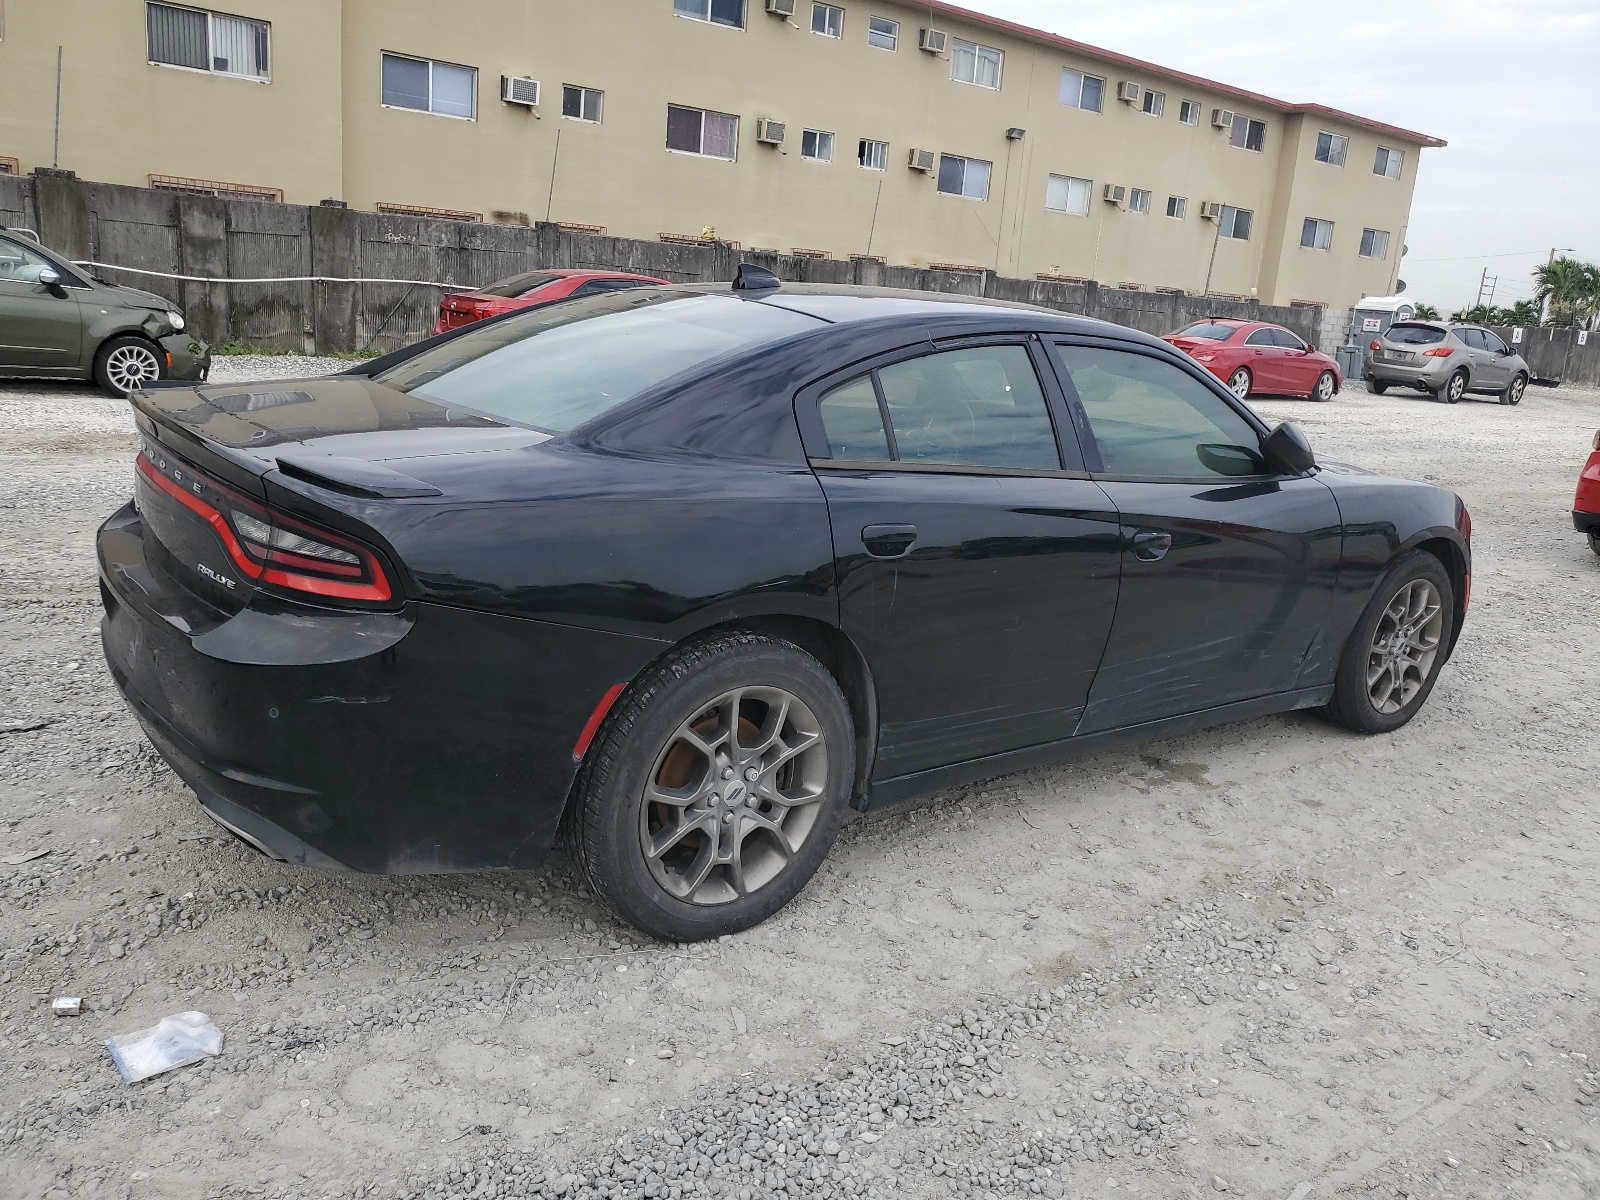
[1515, 389]
[1239, 383]
[1325, 388]
[124, 363]
[716, 788]
[1394, 654]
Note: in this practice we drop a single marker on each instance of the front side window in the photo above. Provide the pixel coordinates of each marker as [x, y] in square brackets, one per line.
[1082, 91]
[581, 103]
[1189, 112]
[1152, 420]
[1247, 133]
[1235, 223]
[558, 366]
[426, 86]
[816, 145]
[828, 20]
[883, 33]
[18, 264]
[1154, 103]
[1287, 340]
[1316, 234]
[1388, 163]
[874, 156]
[717, 12]
[1374, 243]
[975, 64]
[206, 41]
[1066, 194]
[1138, 200]
[968, 177]
[1177, 207]
[1331, 148]
[697, 131]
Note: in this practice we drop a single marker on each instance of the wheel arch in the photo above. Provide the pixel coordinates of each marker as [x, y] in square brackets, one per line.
[1456, 564]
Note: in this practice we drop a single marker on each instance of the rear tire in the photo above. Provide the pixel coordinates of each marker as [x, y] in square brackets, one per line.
[122, 363]
[1395, 651]
[1239, 383]
[1515, 389]
[716, 788]
[1377, 387]
[1594, 542]
[1454, 388]
[1325, 387]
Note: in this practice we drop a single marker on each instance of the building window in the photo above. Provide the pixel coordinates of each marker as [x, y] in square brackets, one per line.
[975, 64]
[1066, 194]
[816, 145]
[1138, 200]
[206, 41]
[1189, 112]
[717, 12]
[1247, 133]
[874, 156]
[1315, 234]
[1235, 223]
[1331, 148]
[883, 33]
[695, 131]
[581, 103]
[828, 20]
[1154, 103]
[427, 86]
[1374, 243]
[1082, 91]
[1177, 207]
[968, 177]
[1388, 163]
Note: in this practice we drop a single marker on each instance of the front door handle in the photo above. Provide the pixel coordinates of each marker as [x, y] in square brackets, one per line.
[888, 541]
[1151, 545]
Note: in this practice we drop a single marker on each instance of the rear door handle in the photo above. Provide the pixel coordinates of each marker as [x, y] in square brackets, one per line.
[1151, 545]
[888, 541]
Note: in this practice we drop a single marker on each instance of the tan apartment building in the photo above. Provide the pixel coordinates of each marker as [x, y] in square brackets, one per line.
[918, 133]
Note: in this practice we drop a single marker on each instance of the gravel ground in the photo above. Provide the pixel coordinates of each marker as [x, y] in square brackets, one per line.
[1272, 960]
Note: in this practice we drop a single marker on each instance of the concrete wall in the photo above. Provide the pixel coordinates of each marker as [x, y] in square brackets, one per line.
[241, 239]
[1555, 354]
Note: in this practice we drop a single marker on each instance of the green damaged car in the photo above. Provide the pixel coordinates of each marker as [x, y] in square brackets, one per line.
[59, 322]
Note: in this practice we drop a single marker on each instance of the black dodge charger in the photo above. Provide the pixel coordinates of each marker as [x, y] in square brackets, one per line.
[680, 574]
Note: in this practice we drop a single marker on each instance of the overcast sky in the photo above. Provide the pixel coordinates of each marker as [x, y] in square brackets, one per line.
[1513, 87]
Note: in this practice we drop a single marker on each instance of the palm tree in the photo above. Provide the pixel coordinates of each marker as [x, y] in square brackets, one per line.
[1427, 312]
[1570, 287]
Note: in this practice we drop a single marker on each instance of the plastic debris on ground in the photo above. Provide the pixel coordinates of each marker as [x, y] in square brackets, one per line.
[67, 1006]
[173, 1042]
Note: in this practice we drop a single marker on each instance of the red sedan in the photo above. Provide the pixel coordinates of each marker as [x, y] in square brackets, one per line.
[1254, 358]
[530, 290]
[1586, 504]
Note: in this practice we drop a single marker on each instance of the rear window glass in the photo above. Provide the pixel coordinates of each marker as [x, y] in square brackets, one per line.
[1415, 335]
[520, 285]
[1208, 329]
[563, 364]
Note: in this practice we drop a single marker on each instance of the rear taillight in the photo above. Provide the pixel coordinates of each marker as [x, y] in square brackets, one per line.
[274, 549]
[1438, 352]
[1375, 345]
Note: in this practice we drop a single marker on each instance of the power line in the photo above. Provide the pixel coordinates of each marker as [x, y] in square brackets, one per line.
[1475, 257]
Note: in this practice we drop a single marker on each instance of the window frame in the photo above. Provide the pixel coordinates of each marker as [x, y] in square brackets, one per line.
[978, 51]
[1189, 112]
[700, 153]
[1088, 194]
[1320, 229]
[1249, 225]
[861, 155]
[1160, 104]
[828, 12]
[1183, 208]
[1083, 77]
[962, 194]
[708, 19]
[431, 62]
[583, 94]
[1339, 139]
[818, 135]
[210, 15]
[1133, 207]
[1369, 236]
[1251, 124]
[894, 37]
[1380, 163]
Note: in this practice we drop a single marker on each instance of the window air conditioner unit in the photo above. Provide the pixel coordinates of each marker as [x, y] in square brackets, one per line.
[1116, 193]
[1222, 118]
[1211, 210]
[933, 41]
[781, 8]
[1128, 91]
[519, 91]
[922, 160]
[770, 132]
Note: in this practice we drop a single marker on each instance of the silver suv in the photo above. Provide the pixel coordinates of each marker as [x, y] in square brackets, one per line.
[1446, 361]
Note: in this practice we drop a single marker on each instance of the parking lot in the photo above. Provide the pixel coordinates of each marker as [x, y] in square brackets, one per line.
[1267, 955]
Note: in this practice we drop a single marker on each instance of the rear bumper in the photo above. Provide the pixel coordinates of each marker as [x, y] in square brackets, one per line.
[1586, 522]
[1431, 375]
[431, 740]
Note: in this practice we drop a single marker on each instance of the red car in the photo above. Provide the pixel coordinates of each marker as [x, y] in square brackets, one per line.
[1254, 358]
[530, 290]
[1586, 505]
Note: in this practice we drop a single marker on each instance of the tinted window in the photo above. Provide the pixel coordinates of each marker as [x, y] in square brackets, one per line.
[1414, 335]
[520, 285]
[1261, 337]
[1153, 420]
[1493, 342]
[1473, 338]
[1287, 340]
[854, 423]
[1206, 329]
[976, 407]
[560, 365]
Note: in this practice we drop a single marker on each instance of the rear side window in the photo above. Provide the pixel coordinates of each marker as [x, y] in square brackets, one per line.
[1207, 329]
[1261, 337]
[1414, 335]
[854, 423]
[563, 364]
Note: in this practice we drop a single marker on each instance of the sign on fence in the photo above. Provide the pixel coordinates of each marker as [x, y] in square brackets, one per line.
[1516, 335]
[1583, 337]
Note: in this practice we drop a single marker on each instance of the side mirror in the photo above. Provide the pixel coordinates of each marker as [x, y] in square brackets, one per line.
[1287, 452]
[51, 279]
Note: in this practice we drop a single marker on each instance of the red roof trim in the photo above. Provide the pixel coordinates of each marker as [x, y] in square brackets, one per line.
[1053, 39]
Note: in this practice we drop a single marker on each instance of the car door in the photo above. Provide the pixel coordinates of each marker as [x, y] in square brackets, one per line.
[1227, 569]
[39, 328]
[1297, 370]
[977, 562]
[1264, 358]
[1491, 366]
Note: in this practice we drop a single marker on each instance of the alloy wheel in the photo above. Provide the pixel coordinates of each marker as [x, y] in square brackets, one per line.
[1325, 387]
[127, 367]
[1518, 386]
[1239, 383]
[1404, 646]
[733, 795]
[1456, 388]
